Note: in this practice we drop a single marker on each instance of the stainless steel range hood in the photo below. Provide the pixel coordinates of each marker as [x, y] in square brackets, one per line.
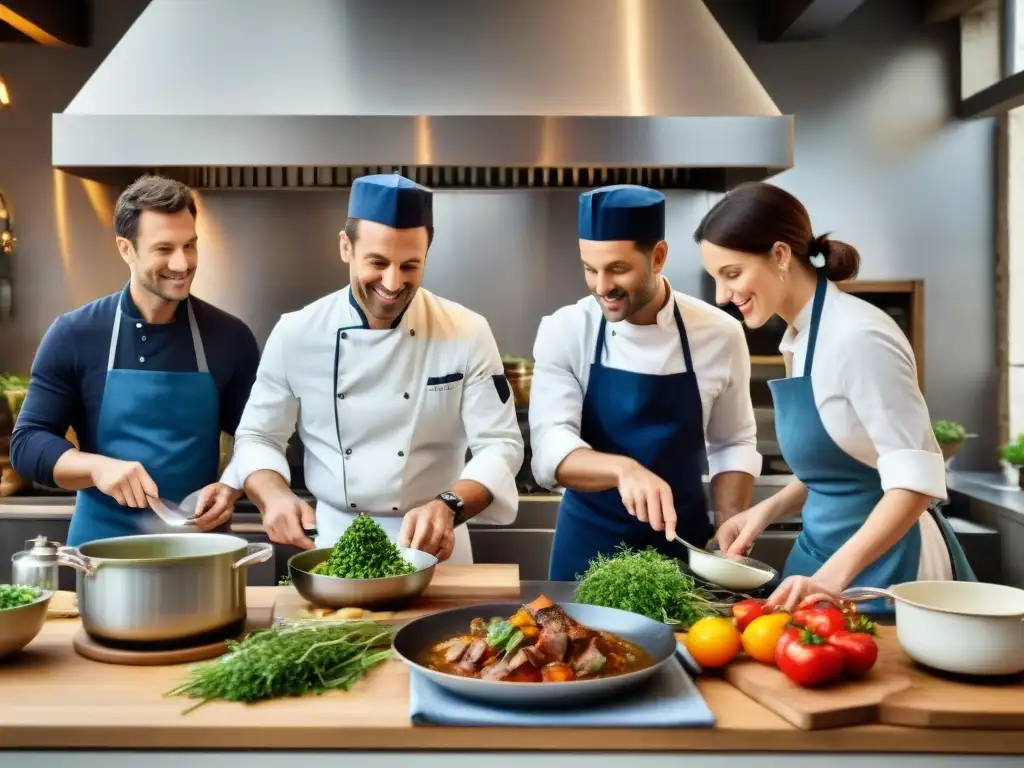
[311, 93]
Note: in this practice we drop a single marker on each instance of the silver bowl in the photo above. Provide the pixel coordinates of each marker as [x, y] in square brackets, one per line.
[19, 626]
[331, 592]
[415, 639]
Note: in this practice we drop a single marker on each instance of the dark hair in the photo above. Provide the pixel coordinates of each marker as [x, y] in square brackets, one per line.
[754, 216]
[150, 193]
[352, 230]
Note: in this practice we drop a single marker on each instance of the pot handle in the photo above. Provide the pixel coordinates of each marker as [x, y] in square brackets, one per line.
[72, 558]
[258, 553]
[862, 594]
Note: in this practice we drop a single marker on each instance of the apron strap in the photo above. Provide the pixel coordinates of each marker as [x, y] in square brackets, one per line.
[197, 340]
[599, 346]
[113, 337]
[682, 336]
[819, 302]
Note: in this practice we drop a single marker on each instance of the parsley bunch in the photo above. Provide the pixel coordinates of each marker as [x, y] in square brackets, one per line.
[644, 582]
[364, 552]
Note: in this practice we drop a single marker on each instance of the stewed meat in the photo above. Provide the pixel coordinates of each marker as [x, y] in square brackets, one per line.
[539, 643]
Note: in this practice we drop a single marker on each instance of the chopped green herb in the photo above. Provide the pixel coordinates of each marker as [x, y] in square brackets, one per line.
[645, 582]
[498, 633]
[290, 659]
[364, 551]
[17, 595]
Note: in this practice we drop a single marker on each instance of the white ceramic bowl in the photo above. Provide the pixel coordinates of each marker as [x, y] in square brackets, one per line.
[736, 574]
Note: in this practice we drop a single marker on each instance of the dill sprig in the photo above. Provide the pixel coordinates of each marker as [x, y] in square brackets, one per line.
[290, 659]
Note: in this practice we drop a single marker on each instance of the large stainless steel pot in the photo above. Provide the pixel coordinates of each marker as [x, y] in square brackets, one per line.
[162, 587]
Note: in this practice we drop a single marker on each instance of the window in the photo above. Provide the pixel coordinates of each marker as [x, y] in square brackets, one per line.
[992, 85]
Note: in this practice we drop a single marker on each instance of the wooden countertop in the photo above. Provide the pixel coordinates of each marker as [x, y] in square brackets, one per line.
[51, 698]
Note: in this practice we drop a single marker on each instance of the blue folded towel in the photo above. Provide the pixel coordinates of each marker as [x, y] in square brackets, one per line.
[669, 700]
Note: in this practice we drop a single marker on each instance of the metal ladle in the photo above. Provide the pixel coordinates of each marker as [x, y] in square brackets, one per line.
[177, 515]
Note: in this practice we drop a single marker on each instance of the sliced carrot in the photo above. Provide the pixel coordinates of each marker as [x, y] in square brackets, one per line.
[522, 619]
[539, 604]
[558, 672]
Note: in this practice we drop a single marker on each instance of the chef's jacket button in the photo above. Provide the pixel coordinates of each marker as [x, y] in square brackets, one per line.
[344, 335]
[353, 504]
[394, 509]
[406, 395]
[401, 453]
[613, 333]
[348, 451]
[142, 359]
[412, 332]
[341, 395]
[138, 325]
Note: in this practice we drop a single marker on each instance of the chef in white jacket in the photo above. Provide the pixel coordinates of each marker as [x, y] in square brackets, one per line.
[850, 418]
[634, 389]
[388, 384]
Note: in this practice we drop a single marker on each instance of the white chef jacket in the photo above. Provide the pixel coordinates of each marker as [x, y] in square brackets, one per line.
[870, 403]
[564, 350]
[385, 416]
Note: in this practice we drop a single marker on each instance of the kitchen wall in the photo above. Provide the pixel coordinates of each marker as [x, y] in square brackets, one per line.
[879, 162]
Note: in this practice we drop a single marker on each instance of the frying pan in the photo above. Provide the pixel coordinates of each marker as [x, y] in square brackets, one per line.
[416, 638]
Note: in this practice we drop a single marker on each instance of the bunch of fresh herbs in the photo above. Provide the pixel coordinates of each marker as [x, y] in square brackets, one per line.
[364, 551]
[645, 582]
[16, 595]
[290, 659]
[948, 431]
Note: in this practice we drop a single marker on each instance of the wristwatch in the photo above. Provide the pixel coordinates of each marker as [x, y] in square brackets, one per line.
[454, 503]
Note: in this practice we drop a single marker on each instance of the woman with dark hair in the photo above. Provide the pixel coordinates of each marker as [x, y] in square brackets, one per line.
[850, 418]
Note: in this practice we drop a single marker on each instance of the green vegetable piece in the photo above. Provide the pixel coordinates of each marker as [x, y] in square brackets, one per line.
[647, 583]
[290, 659]
[499, 633]
[514, 642]
[364, 551]
[16, 595]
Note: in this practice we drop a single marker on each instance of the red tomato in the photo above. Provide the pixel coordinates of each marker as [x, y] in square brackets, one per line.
[823, 621]
[807, 659]
[746, 611]
[859, 650]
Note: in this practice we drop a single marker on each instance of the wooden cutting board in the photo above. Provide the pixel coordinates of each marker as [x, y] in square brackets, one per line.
[451, 587]
[897, 692]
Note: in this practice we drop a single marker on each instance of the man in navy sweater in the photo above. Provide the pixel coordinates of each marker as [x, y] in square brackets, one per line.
[147, 377]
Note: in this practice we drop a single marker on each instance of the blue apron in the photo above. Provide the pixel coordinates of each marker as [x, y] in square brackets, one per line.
[659, 422]
[168, 421]
[841, 491]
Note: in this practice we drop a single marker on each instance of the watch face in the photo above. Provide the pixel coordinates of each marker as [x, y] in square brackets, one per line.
[451, 498]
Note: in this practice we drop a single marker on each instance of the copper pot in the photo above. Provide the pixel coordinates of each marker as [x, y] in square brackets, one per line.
[520, 375]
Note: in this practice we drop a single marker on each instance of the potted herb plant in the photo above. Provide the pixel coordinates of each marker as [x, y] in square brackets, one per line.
[1012, 459]
[950, 436]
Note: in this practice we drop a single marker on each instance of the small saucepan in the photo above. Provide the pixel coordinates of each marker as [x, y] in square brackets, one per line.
[963, 627]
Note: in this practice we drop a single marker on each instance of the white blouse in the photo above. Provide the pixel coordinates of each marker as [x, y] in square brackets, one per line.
[866, 390]
[564, 350]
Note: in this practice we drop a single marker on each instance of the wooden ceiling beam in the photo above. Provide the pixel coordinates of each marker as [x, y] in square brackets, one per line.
[791, 20]
[938, 11]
